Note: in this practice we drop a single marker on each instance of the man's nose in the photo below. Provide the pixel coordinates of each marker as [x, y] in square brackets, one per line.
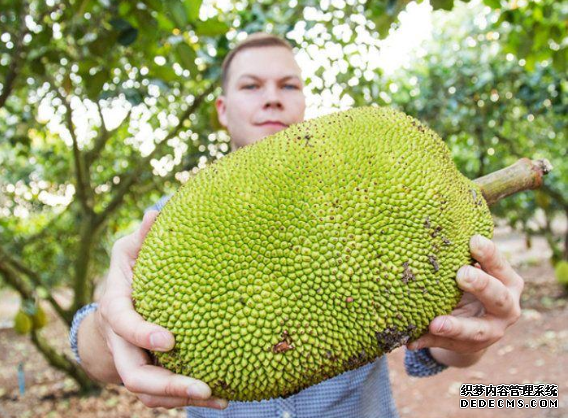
[272, 97]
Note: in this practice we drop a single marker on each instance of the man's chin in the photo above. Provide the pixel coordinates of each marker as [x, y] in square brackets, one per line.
[271, 129]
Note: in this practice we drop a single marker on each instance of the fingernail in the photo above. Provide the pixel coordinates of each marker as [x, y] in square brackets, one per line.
[479, 242]
[198, 390]
[160, 340]
[414, 345]
[444, 326]
[464, 274]
[221, 403]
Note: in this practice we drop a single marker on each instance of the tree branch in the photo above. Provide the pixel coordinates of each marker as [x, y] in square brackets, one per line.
[558, 197]
[16, 282]
[102, 138]
[19, 245]
[82, 282]
[127, 179]
[84, 191]
[10, 263]
[63, 363]
[12, 73]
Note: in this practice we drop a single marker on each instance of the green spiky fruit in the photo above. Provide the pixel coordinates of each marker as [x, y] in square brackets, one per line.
[22, 323]
[309, 253]
[39, 318]
[561, 272]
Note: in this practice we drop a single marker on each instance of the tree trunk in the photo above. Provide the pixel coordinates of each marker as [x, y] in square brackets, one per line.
[82, 280]
[65, 364]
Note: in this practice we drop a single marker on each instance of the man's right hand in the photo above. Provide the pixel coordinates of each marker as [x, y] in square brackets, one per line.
[126, 334]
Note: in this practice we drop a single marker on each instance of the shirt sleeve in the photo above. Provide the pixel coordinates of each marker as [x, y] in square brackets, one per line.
[420, 363]
[160, 204]
[77, 318]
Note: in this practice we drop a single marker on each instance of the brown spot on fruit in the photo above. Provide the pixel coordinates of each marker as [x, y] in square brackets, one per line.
[407, 273]
[284, 345]
[391, 338]
[434, 263]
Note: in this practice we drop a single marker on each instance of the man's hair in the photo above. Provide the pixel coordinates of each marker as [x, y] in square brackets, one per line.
[254, 40]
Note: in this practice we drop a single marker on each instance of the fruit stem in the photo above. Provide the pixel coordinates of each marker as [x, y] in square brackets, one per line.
[524, 174]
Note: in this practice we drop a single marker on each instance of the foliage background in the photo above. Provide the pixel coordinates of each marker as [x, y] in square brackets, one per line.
[106, 106]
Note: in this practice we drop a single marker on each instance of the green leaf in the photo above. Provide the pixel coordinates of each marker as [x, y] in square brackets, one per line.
[37, 67]
[85, 65]
[186, 56]
[128, 36]
[193, 9]
[442, 4]
[494, 4]
[165, 23]
[164, 73]
[102, 44]
[120, 24]
[560, 60]
[211, 27]
[155, 5]
[95, 84]
[124, 8]
[383, 24]
[177, 12]
[541, 37]
[133, 96]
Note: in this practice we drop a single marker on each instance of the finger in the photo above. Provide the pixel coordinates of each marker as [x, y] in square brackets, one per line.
[429, 341]
[460, 334]
[128, 324]
[472, 330]
[491, 292]
[139, 376]
[147, 221]
[130, 244]
[491, 260]
[125, 250]
[174, 402]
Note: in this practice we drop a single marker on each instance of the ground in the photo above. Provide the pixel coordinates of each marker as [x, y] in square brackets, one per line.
[534, 350]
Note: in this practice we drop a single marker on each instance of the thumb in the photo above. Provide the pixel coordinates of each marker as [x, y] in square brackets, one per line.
[129, 245]
[147, 221]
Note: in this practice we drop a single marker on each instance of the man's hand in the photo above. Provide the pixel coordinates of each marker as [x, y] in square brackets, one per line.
[125, 332]
[490, 304]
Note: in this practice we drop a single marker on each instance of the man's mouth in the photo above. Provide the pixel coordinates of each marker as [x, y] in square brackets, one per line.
[275, 124]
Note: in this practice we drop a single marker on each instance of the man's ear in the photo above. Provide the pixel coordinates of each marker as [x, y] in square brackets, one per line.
[221, 110]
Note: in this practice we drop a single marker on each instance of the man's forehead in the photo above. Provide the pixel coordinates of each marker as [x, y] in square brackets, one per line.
[262, 76]
[273, 62]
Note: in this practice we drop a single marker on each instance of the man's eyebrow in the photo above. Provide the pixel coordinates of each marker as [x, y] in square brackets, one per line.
[258, 78]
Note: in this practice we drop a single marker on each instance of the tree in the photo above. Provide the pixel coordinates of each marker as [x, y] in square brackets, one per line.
[106, 106]
[492, 108]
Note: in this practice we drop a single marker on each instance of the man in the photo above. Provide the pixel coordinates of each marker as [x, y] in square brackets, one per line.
[262, 94]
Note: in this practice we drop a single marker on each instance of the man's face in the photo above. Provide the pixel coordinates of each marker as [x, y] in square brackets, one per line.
[263, 94]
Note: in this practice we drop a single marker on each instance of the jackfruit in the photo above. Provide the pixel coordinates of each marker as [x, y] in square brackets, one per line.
[561, 272]
[39, 318]
[309, 253]
[22, 323]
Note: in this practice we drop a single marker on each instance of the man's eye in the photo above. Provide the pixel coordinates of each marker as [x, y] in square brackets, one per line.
[291, 86]
[249, 86]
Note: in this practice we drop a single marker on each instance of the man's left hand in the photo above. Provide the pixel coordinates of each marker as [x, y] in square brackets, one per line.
[489, 305]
